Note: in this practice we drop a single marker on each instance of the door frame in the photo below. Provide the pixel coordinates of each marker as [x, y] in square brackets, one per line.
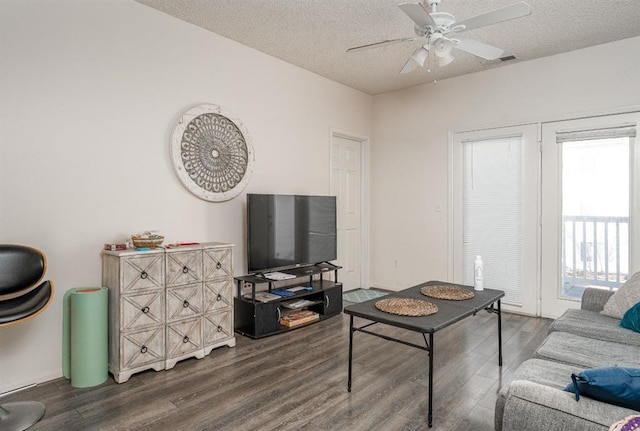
[365, 154]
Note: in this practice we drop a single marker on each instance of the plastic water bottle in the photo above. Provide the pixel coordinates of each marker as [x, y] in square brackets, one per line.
[478, 273]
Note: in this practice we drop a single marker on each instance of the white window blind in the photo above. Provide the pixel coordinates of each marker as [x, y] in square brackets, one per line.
[621, 131]
[492, 213]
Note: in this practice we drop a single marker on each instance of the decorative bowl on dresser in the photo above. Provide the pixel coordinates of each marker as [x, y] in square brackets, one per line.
[166, 305]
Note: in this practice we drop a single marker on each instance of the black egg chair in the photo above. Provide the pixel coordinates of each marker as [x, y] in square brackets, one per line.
[23, 295]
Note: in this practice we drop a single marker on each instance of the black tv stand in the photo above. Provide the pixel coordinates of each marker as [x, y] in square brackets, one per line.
[257, 319]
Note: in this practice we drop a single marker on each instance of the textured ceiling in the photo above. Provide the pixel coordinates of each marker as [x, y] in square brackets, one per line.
[315, 34]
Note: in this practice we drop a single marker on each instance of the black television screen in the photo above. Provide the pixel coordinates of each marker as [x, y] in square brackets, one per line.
[285, 231]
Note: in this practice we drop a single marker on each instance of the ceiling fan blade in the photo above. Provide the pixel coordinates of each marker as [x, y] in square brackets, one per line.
[506, 13]
[418, 14]
[383, 43]
[478, 49]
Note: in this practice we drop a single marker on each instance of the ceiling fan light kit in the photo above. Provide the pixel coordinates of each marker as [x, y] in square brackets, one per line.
[434, 27]
[442, 48]
[420, 55]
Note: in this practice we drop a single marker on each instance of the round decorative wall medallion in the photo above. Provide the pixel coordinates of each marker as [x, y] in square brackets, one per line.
[211, 153]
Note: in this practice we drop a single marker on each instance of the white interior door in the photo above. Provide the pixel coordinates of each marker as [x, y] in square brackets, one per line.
[346, 185]
[590, 206]
[495, 202]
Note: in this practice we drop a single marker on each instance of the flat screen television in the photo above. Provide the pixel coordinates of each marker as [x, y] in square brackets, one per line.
[286, 231]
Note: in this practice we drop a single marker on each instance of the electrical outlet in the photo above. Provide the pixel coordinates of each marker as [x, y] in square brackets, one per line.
[246, 285]
[395, 263]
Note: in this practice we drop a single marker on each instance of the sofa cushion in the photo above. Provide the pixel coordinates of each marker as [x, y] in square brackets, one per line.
[587, 352]
[532, 406]
[626, 297]
[631, 319]
[548, 373]
[614, 385]
[594, 299]
[594, 325]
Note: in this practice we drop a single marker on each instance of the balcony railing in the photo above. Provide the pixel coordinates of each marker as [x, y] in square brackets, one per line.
[595, 252]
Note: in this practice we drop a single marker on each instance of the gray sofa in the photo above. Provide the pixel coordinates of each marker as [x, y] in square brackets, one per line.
[577, 340]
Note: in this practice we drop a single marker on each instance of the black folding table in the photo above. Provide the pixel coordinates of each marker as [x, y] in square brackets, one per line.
[449, 312]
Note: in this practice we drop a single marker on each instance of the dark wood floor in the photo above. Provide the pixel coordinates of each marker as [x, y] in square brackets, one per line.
[298, 380]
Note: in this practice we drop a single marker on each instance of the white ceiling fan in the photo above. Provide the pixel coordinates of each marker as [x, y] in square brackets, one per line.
[438, 27]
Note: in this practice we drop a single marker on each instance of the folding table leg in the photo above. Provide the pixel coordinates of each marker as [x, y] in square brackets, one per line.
[430, 414]
[350, 352]
[499, 335]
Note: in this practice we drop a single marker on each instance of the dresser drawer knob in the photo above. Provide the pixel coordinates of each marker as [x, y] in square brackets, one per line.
[145, 310]
[143, 349]
[219, 328]
[185, 269]
[185, 339]
[219, 297]
[218, 265]
[144, 275]
[185, 304]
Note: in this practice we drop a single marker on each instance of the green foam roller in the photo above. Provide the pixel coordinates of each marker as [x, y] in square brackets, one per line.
[85, 336]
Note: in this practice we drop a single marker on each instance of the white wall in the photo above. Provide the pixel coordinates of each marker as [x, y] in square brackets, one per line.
[409, 151]
[89, 94]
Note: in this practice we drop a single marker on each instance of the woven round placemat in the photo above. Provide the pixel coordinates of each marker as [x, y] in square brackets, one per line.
[406, 306]
[454, 293]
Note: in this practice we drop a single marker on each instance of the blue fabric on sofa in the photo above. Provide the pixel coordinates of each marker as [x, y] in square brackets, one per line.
[631, 318]
[614, 385]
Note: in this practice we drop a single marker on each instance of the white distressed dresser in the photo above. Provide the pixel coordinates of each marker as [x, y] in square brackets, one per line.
[166, 305]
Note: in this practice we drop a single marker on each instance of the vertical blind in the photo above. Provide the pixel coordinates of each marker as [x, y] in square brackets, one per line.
[492, 213]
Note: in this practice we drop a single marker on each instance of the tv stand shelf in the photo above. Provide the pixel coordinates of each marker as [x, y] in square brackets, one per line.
[257, 319]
